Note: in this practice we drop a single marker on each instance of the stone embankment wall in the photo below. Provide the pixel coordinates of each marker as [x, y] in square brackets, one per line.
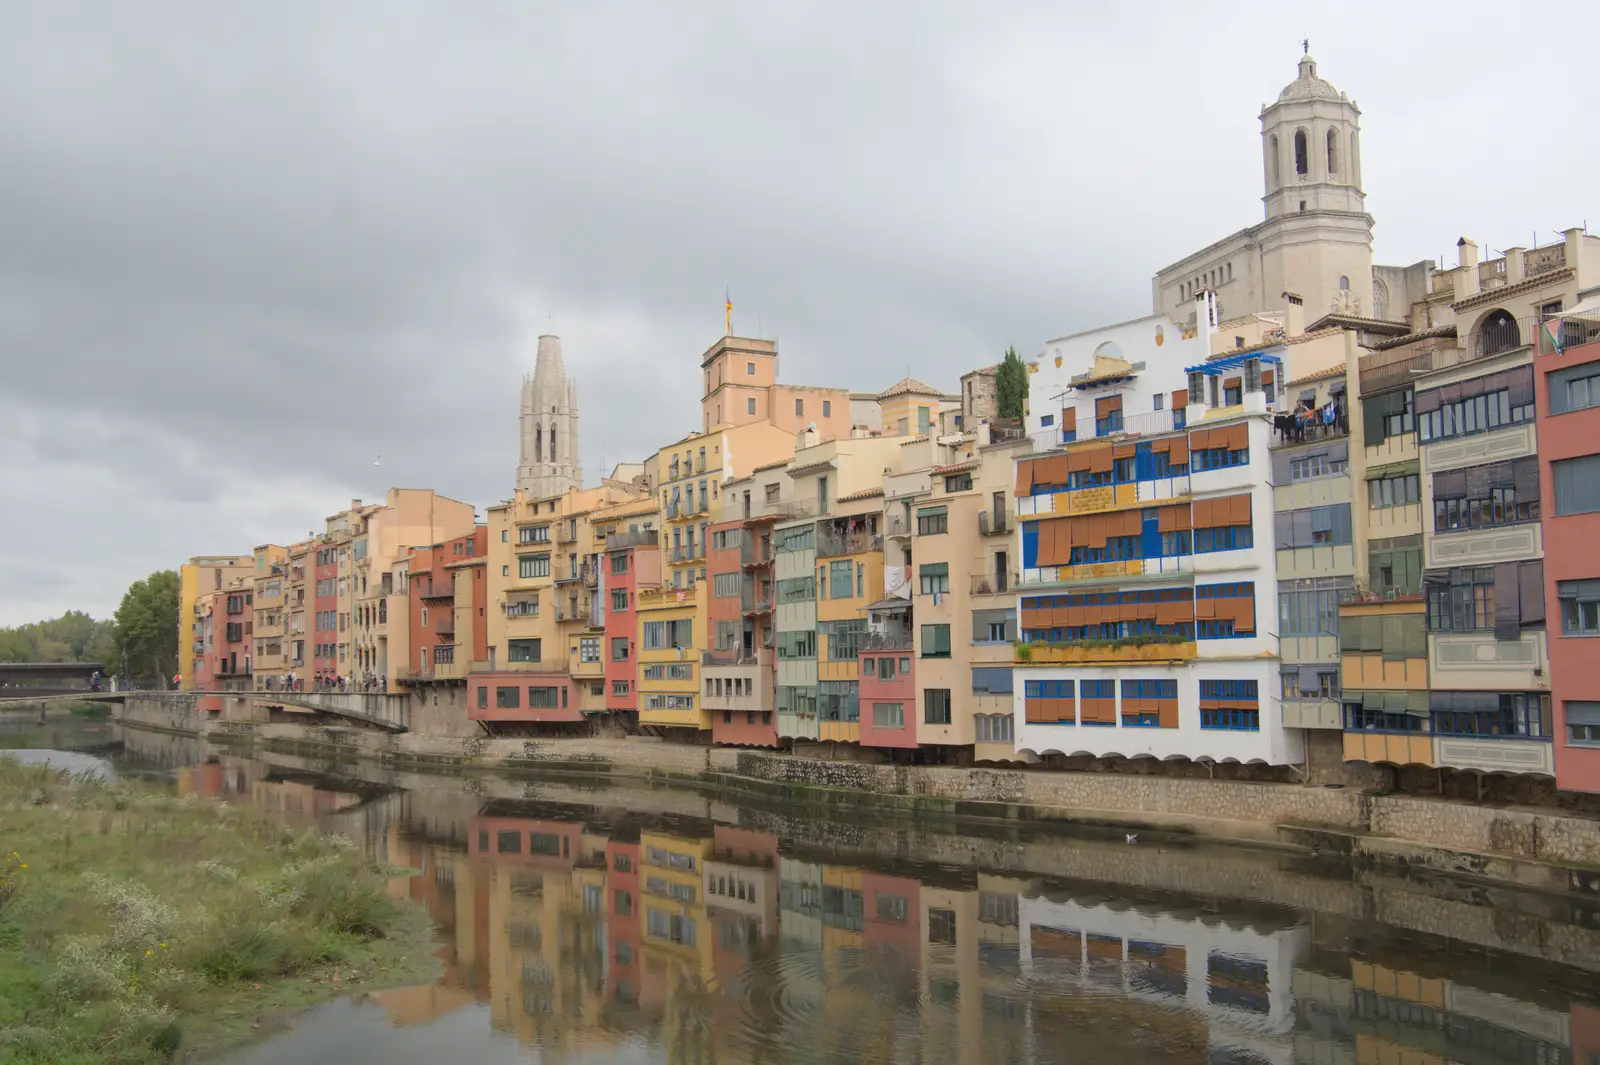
[1429, 833]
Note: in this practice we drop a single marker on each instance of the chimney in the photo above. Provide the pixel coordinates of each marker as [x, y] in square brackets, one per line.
[1516, 266]
[1467, 276]
[1294, 315]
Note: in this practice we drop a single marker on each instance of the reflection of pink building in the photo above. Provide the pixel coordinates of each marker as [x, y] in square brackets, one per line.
[632, 561]
[892, 923]
[1567, 440]
[623, 907]
[551, 846]
[887, 679]
[1585, 1022]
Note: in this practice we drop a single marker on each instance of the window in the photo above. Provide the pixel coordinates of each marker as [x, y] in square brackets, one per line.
[523, 650]
[533, 534]
[1311, 682]
[934, 578]
[1501, 493]
[799, 644]
[991, 681]
[619, 599]
[529, 566]
[827, 408]
[1217, 458]
[801, 538]
[619, 648]
[992, 728]
[727, 585]
[727, 635]
[1301, 165]
[797, 590]
[885, 667]
[483, 697]
[546, 697]
[888, 715]
[619, 688]
[506, 697]
[799, 407]
[1314, 527]
[1317, 466]
[1230, 705]
[1159, 399]
[841, 579]
[1047, 421]
[1393, 490]
[837, 700]
[750, 405]
[1580, 607]
[1229, 538]
[1583, 723]
[994, 626]
[932, 521]
[1513, 715]
[936, 641]
[1395, 565]
[1577, 388]
[1310, 607]
[1462, 599]
[1392, 635]
[958, 482]
[660, 635]
[936, 706]
[588, 649]
[844, 638]
[1577, 485]
[1480, 405]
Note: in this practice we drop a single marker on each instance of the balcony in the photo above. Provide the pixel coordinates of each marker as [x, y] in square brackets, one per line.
[896, 526]
[892, 640]
[1148, 649]
[573, 573]
[751, 603]
[831, 544]
[993, 523]
[567, 532]
[737, 657]
[673, 509]
[754, 552]
[447, 592]
[993, 583]
[621, 541]
[677, 554]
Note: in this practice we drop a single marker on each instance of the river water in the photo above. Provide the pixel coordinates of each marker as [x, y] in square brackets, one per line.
[581, 922]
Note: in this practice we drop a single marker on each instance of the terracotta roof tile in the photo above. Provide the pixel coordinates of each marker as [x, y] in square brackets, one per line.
[864, 494]
[1495, 295]
[909, 386]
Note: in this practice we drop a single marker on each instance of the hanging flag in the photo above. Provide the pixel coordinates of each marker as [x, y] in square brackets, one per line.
[727, 300]
[1550, 336]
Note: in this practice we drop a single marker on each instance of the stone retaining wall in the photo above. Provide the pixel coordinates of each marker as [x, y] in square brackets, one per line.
[1231, 809]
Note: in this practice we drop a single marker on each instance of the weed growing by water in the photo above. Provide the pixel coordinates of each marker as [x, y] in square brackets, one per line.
[128, 916]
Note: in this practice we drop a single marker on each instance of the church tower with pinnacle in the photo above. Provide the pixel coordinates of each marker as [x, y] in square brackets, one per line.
[549, 460]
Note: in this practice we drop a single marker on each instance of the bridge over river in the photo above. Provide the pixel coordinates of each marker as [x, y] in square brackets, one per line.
[387, 710]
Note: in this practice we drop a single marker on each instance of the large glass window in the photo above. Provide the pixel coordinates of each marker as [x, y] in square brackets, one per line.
[936, 706]
[1580, 607]
[1577, 485]
[1477, 406]
[1583, 722]
[1393, 490]
[841, 579]
[1513, 715]
[1310, 607]
[936, 641]
[1499, 493]
[1313, 527]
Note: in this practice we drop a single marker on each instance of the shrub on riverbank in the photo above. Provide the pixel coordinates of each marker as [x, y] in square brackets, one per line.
[130, 916]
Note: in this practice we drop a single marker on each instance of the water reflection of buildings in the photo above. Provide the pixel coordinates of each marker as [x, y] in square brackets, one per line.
[580, 928]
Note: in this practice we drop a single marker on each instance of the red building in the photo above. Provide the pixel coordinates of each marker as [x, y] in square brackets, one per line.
[237, 634]
[887, 679]
[623, 906]
[325, 614]
[1567, 390]
[738, 670]
[447, 597]
[631, 561]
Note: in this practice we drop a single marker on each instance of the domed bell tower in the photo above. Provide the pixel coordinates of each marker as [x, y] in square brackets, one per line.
[1311, 148]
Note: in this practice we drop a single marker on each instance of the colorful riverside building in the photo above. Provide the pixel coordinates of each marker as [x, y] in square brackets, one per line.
[1567, 391]
[545, 667]
[1147, 563]
[1447, 652]
[199, 575]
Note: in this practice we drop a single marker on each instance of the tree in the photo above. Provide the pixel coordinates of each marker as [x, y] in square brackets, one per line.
[1011, 382]
[72, 637]
[145, 641]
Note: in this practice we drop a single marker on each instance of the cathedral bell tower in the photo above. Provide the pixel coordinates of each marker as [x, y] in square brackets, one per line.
[1316, 241]
[549, 422]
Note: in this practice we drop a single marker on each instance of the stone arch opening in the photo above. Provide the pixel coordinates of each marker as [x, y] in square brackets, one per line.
[1333, 152]
[1302, 160]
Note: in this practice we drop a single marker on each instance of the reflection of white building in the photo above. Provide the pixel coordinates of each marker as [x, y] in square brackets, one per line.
[1237, 979]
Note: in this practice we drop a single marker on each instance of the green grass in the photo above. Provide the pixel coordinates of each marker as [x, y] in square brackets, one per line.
[138, 926]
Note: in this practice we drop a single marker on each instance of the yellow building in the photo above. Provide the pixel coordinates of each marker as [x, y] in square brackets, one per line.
[270, 583]
[671, 636]
[910, 408]
[1383, 663]
[674, 924]
[201, 574]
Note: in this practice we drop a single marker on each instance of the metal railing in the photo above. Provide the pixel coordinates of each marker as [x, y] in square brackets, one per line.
[830, 544]
[1537, 261]
[993, 583]
[1500, 336]
[896, 525]
[993, 523]
[750, 603]
[753, 552]
[621, 541]
[886, 641]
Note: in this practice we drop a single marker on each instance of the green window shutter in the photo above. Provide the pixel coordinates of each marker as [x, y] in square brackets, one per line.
[934, 569]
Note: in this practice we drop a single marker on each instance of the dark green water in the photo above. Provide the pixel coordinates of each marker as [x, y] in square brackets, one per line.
[580, 923]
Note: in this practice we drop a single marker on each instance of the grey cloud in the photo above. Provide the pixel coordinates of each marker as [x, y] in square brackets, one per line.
[246, 248]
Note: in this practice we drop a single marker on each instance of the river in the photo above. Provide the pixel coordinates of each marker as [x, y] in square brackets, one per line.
[587, 922]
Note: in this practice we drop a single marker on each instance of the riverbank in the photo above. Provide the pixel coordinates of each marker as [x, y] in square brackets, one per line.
[136, 925]
[1530, 847]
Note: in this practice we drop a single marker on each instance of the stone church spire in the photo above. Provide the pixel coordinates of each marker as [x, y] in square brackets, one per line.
[549, 422]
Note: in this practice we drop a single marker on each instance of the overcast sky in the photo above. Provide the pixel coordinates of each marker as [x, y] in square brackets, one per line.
[245, 248]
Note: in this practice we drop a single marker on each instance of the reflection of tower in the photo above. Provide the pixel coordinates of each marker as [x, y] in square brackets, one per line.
[548, 465]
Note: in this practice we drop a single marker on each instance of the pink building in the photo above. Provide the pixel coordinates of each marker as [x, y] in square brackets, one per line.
[888, 696]
[738, 670]
[632, 560]
[325, 614]
[1567, 391]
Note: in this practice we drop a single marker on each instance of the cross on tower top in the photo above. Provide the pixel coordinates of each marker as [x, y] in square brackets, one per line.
[1305, 46]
